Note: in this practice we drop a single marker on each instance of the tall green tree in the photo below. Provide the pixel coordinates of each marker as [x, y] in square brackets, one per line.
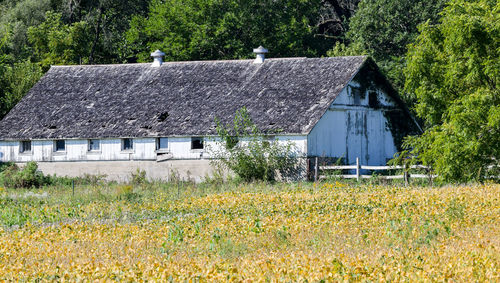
[383, 29]
[334, 16]
[108, 20]
[453, 69]
[386, 27]
[228, 29]
[57, 43]
[16, 16]
[15, 81]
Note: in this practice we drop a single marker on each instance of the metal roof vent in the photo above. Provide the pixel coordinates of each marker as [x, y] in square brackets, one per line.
[261, 54]
[157, 58]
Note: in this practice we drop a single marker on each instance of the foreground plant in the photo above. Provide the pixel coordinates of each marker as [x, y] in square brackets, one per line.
[247, 152]
[255, 232]
[453, 70]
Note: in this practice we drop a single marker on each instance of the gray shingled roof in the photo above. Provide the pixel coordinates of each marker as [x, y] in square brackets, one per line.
[178, 98]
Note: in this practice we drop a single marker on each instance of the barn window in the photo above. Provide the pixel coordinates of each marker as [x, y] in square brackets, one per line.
[60, 145]
[161, 143]
[373, 100]
[196, 143]
[94, 145]
[356, 95]
[25, 147]
[127, 144]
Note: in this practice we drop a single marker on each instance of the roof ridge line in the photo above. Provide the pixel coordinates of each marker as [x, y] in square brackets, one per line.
[200, 61]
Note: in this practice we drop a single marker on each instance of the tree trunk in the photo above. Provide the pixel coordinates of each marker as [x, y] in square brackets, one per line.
[97, 34]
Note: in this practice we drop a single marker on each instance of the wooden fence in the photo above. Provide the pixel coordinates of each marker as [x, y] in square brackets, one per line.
[406, 175]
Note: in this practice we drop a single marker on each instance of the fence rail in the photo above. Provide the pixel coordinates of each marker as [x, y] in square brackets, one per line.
[406, 175]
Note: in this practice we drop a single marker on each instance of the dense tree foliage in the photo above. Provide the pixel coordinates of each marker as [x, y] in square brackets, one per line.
[16, 16]
[453, 69]
[15, 81]
[55, 43]
[228, 29]
[333, 17]
[104, 22]
[386, 27]
[383, 29]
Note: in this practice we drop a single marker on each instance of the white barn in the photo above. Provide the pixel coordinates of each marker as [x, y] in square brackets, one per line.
[113, 119]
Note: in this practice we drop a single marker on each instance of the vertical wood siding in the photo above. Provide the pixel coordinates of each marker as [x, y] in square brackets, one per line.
[111, 150]
[352, 128]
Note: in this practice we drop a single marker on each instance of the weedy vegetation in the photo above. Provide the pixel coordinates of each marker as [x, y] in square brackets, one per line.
[257, 232]
[251, 155]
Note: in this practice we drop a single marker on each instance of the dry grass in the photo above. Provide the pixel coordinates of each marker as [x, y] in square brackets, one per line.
[254, 233]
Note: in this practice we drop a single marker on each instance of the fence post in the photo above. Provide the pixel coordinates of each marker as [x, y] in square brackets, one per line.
[73, 185]
[406, 175]
[358, 169]
[429, 171]
[316, 169]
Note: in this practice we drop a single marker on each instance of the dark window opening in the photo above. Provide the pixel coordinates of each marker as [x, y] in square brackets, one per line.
[161, 143]
[127, 144]
[94, 145]
[373, 100]
[197, 143]
[25, 146]
[60, 145]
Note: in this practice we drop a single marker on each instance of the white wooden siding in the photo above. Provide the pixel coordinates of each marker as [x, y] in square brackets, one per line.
[351, 128]
[111, 150]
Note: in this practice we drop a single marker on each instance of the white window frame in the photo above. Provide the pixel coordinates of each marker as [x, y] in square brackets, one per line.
[22, 150]
[165, 149]
[202, 142]
[123, 145]
[55, 146]
[90, 149]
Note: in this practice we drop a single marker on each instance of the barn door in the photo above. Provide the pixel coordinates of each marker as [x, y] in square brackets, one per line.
[376, 138]
[357, 135]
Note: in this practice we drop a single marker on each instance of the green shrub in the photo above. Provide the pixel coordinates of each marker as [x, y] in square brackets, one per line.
[27, 177]
[244, 150]
[5, 165]
[138, 178]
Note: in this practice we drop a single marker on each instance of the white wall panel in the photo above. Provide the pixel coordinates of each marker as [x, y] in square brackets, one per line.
[111, 150]
[351, 128]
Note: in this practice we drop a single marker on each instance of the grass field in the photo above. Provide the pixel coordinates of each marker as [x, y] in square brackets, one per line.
[256, 232]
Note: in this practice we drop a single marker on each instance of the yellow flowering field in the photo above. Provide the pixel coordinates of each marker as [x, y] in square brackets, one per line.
[258, 232]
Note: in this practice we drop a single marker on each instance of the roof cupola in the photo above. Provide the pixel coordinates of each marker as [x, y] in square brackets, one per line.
[261, 54]
[157, 58]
